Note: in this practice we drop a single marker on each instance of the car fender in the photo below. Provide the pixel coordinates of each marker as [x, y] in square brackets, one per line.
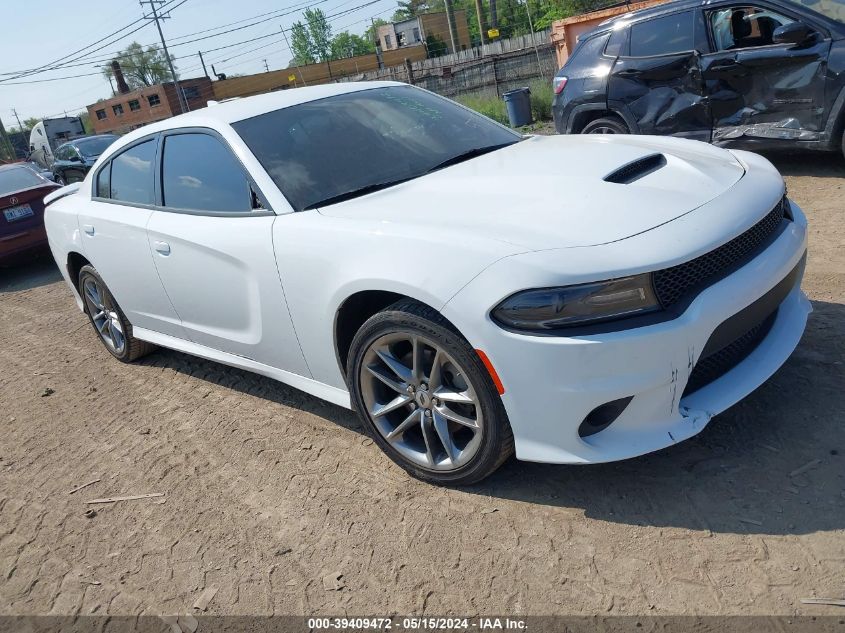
[325, 260]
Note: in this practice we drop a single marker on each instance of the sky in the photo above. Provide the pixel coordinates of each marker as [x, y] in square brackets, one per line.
[48, 30]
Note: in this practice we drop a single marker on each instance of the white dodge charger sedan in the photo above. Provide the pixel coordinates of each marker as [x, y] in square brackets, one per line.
[470, 291]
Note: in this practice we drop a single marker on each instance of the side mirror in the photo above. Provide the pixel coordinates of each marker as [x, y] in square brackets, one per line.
[792, 33]
[75, 158]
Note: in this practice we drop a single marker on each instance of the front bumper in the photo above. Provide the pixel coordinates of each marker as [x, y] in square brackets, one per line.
[553, 383]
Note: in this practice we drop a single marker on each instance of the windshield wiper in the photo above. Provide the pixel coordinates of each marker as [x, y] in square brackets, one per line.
[355, 193]
[472, 153]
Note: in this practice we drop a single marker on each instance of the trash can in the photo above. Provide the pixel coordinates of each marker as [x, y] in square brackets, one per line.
[518, 103]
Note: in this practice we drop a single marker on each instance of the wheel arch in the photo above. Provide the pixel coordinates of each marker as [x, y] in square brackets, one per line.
[584, 114]
[75, 262]
[354, 311]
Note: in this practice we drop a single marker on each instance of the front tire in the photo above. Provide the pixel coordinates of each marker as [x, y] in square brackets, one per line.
[111, 325]
[426, 397]
[606, 125]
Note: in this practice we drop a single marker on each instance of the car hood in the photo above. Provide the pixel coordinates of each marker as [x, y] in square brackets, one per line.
[551, 192]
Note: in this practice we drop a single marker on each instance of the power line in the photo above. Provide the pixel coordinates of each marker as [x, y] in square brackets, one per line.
[52, 65]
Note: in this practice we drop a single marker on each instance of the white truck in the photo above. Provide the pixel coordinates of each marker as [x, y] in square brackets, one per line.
[48, 134]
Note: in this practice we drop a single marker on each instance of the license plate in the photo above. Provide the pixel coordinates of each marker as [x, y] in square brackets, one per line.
[18, 213]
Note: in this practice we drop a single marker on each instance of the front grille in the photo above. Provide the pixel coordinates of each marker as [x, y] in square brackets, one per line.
[673, 284]
[718, 363]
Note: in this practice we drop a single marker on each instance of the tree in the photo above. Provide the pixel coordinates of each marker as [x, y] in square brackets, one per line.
[320, 32]
[311, 42]
[141, 67]
[300, 44]
[435, 46]
[411, 8]
[347, 44]
[31, 122]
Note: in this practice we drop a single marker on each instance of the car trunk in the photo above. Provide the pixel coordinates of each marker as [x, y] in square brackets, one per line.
[22, 217]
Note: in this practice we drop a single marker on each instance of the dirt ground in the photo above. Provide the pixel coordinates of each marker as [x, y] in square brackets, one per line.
[269, 490]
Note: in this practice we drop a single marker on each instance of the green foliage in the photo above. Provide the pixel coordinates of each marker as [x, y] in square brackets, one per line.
[31, 122]
[312, 41]
[494, 107]
[347, 44]
[435, 46]
[300, 43]
[86, 122]
[141, 67]
[541, 99]
[488, 105]
[411, 8]
[320, 34]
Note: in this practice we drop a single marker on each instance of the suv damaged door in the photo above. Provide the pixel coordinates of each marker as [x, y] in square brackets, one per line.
[657, 82]
[759, 88]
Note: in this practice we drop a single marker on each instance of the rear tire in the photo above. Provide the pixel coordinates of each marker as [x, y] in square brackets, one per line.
[111, 325]
[409, 367]
[606, 125]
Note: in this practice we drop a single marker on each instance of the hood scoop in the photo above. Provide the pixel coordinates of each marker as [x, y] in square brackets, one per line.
[633, 171]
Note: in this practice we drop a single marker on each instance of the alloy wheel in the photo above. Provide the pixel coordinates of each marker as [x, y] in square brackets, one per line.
[104, 315]
[421, 401]
[602, 130]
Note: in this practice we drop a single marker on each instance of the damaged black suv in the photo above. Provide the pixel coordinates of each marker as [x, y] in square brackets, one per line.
[760, 74]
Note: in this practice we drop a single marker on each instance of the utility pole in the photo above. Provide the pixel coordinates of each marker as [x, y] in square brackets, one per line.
[17, 118]
[479, 10]
[183, 106]
[453, 30]
[202, 61]
[533, 39]
[266, 67]
[376, 43]
[305, 83]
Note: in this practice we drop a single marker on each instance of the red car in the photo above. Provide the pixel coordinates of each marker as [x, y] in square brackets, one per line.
[22, 193]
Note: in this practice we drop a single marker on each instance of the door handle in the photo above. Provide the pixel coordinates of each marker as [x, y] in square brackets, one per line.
[88, 228]
[162, 248]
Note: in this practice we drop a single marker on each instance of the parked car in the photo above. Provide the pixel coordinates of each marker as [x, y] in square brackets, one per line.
[74, 159]
[41, 171]
[384, 248]
[765, 74]
[22, 192]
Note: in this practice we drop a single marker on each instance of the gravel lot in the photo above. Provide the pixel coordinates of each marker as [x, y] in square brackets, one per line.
[269, 491]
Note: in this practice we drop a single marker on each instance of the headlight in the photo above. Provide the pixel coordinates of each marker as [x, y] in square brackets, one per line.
[552, 308]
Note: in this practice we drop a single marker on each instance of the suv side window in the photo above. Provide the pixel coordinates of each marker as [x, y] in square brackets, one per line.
[132, 174]
[199, 173]
[665, 35]
[617, 42]
[587, 51]
[744, 27]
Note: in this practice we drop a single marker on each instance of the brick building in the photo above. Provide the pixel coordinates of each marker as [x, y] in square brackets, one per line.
[130, 110]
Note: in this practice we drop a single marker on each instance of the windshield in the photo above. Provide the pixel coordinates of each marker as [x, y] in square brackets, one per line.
[94, 146]
[357, 142]
[834, 9]
[18, 179]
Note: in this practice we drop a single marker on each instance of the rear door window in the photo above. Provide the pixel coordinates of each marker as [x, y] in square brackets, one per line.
[666, 35]
[132, 174]
[200, 173]
[616, 44]
[588, 51]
